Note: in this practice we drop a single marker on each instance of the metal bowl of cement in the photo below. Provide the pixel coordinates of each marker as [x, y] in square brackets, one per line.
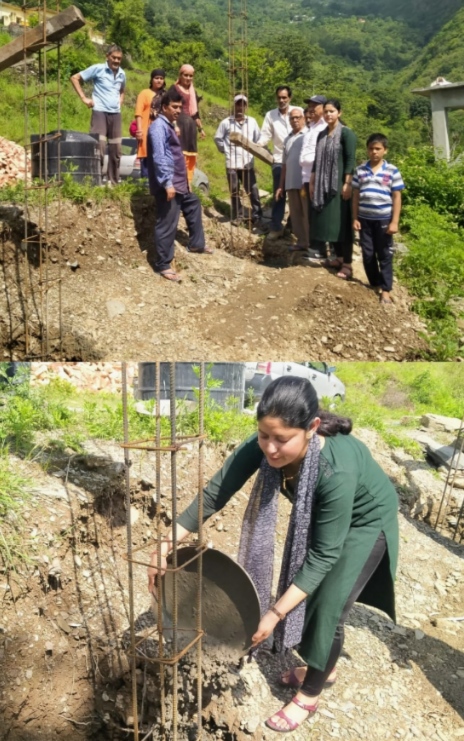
[230, 604]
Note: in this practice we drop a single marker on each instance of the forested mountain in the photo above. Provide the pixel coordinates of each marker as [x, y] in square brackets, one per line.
[426, 16]
[370, 53]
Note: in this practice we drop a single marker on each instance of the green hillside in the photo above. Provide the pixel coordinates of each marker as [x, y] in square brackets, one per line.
[443, 56]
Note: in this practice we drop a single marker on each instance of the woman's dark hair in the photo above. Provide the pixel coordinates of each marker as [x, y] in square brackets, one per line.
[158, 73]
[294, 401]
[171, 96]
[335, 102]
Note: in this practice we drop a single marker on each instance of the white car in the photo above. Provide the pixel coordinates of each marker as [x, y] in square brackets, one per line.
[258, 376]
[129, 166]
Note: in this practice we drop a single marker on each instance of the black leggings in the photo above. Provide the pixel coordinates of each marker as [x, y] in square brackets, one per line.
[315, 679]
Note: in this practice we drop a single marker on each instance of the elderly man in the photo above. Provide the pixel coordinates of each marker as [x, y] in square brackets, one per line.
[109, 82]
[276, 127]
[167, 175]
[291, 180]
[239, 162]
[317, 124]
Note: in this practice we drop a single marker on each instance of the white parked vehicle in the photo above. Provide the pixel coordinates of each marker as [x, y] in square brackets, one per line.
[258, 376]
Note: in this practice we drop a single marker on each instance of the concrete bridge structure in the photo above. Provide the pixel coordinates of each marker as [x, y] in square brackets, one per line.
[444, 96]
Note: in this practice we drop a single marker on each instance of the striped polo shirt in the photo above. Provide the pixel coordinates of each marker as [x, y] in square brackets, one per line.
[375, 189]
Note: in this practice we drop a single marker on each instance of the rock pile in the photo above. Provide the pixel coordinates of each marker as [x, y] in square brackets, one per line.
[12, 162]
[84, 376]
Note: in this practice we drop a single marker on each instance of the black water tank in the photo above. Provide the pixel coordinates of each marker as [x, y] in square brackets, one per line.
[232, 376]
[74, 152]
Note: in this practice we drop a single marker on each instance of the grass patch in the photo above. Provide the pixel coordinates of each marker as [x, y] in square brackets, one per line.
[391, 397]
[14, 494]
[433, 270]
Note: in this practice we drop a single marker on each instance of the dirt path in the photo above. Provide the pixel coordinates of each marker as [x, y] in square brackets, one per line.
[243, 302]
[65, 618]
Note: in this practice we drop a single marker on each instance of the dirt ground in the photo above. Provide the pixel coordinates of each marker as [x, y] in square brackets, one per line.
[247, 300]
[65, 617]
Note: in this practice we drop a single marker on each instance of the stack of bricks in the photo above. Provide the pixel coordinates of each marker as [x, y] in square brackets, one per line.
[12, 163]
[84, 376]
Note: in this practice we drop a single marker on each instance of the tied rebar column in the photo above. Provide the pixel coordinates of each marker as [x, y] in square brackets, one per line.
[39, 287]
[169, 652]
[238, 84]
[127, 464]
[450, 482]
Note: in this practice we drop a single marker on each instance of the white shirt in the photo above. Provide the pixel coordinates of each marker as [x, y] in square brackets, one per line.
[276, 127]
[308, 150]
[237, 158]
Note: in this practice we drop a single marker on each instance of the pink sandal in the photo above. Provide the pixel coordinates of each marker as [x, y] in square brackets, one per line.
[345, 272]
[292, 725]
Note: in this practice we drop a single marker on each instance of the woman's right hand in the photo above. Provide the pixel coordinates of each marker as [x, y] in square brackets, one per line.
[153, 570]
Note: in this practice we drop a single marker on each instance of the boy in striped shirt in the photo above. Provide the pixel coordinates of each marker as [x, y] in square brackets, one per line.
[377, 187]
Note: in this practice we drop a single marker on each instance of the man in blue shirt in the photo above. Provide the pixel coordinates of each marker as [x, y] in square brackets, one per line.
[167, 175]
[109, 82]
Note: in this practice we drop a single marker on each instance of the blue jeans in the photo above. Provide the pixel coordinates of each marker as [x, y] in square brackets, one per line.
[278, 207]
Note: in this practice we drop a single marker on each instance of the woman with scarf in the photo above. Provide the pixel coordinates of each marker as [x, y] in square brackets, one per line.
[189, 122]
[342, 539]
[330, 191]
[147, 107]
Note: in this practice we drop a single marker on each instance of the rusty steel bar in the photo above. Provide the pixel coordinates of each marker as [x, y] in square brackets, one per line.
[172, 660]
[127, 464]
[168, 569]
[201, 428]
[158, 539]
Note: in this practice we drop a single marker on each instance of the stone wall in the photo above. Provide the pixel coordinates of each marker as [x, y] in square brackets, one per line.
[85, 376]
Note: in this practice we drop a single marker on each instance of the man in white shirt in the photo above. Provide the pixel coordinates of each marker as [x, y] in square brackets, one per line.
[317, 124]
[276, 127]
[291, 180]
[239, 162]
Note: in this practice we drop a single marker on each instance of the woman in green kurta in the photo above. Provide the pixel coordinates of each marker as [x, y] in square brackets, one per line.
[342, 541]
[330, 190]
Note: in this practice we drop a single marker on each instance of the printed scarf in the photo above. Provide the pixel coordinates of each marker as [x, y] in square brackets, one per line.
[256, 550]
[326, 167]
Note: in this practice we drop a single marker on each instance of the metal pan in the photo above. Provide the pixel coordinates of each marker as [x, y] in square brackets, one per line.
[230, 604]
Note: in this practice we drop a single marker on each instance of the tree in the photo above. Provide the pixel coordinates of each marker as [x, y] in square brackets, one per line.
[128, 26]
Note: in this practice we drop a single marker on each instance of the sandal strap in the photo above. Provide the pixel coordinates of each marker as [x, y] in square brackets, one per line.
[303, 706]
[292, 724]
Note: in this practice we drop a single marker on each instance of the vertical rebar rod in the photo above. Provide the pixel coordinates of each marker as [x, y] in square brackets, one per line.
[201, 428]
[23, 257]
[172, 396]
[127, 464]
[158, 542]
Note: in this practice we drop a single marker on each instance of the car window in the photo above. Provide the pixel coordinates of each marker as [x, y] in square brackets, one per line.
[127, 149]
[317, 366]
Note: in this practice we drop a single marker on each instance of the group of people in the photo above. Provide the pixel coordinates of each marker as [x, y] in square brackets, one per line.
[314, 164]
[314, 157]
[167, 122]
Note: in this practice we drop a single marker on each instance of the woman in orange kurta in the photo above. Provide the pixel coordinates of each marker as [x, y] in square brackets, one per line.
[146, 109]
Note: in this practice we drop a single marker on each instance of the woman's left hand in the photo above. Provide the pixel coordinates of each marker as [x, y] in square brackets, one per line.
[202, 134]
[346, 192]
[265, 628]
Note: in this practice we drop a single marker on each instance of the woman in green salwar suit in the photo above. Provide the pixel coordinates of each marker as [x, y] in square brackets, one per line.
[342, 540]
[330, 190]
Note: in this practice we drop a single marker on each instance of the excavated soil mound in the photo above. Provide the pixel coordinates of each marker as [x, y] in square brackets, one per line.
[245, 301]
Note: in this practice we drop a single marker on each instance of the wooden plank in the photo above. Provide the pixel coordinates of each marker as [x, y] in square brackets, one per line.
[260, 152]
[33, 39]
